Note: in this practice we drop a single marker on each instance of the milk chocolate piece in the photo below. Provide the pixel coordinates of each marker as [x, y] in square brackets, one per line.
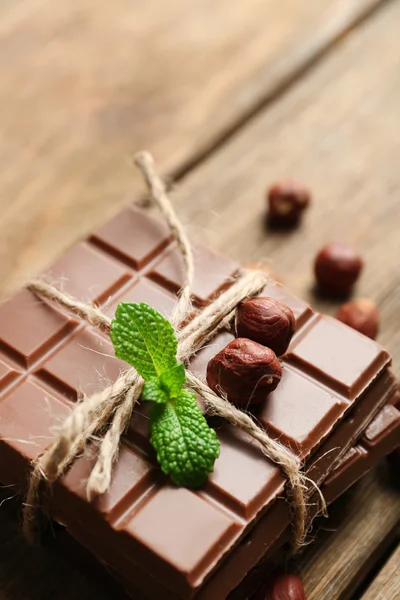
[132, 238]
[144, 291]
[380, 439]
[212, 272]
[71, 369]
[97, 278]
[387, 435]
[30, 328]
[170, 540]
[7, 374]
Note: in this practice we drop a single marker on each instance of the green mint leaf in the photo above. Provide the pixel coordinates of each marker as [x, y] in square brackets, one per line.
[173, 379]
[155, 391]
[186, 446]
[168, 385]
[143, 338]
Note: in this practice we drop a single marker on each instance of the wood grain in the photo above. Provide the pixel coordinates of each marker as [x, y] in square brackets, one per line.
[387, 583]
[337, 131]
[361, 526]
[85, 84]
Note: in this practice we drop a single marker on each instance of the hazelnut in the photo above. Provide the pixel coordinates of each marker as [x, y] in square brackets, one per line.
[337, 268]
[245, 371]
[286, 202]
[266, 321]
[285, 586]
[362, 315]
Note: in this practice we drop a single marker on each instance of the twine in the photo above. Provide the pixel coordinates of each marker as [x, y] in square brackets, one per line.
[110, 410]
[88, 312]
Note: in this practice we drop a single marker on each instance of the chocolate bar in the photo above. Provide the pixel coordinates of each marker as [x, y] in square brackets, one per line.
[380, 438]
[172, 542]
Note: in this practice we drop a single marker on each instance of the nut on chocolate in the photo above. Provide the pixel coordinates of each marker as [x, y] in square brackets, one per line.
[266, 321]
[244, 371]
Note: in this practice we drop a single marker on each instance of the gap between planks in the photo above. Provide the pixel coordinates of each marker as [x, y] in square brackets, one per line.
[282, 81]
[386, 585]
[361, 527]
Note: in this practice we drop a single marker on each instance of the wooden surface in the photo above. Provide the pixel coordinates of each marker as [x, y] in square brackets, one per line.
[84, 84]
[338, 130]
[360, 530]
[229, 96]
[386, 583]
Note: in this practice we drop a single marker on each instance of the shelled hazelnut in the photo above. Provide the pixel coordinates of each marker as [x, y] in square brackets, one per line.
[283, 586]
[362, 315]
[337, 268]
[266, 321]
[244, 371]
[286, 202]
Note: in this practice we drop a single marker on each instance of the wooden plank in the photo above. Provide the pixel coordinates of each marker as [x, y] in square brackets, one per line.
[386, 586]
[361, 526]
[336, 131]
[84, 84]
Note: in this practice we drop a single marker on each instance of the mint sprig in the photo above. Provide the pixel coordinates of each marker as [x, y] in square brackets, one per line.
[167, 385]
[144, 339]
[186, 446]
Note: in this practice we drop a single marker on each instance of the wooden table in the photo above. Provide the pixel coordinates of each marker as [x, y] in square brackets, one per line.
[228, 96]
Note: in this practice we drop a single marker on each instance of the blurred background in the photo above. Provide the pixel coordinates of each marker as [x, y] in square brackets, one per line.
[228, 96]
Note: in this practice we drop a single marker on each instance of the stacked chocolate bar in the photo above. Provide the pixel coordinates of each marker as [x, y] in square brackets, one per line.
[333, 408]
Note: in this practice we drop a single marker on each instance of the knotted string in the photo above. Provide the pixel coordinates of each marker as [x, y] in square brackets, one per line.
[110, 410]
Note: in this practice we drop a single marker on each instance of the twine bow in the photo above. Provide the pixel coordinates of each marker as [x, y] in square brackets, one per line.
[111, 409]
